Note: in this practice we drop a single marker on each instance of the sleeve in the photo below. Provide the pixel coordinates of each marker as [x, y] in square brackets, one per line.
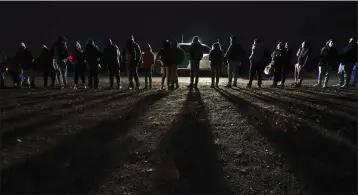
[138, 52]
[152, 57]
[228, 52]
[307, 57]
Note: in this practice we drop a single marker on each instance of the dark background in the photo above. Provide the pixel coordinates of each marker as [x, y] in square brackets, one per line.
[38, 23]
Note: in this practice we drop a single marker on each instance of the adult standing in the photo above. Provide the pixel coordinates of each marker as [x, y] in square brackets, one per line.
[216, 57]
[234, 56]
[303, 55]
[133, 57]
[92, 56]
[44, 63]
[256, 62]
[60, 55]
[111, 59]
[196, 54]
[79, 62]
[328, 58]
[287, 63]
[177, 59]
[347, 58]
[278, 59]
[164, 55]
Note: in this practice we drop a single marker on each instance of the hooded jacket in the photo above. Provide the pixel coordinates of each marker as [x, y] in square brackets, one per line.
[148, 58]
[303, 54]
[328, 56]
[92, 55]
[165, 54]
[79, 60]
[216, 57]
[44, 61]
[257, 53]
[59, 49]
[24, 58]
[111, 56]
[132, 53]
[196, 51]
[278, 57]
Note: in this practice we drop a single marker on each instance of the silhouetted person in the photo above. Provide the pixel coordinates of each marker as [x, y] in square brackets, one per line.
[111, 59]
[196, 54]
[60, 55]
[44, 63]
[25, 60]
[235, 56]
[216, 57]
[257, 59]
[347, 58]
[164, 55]
[303, 55]
[148, 63]
[177, 58]
[133, 57]
[287, 63]
[327, 59]
[80, 64]
[3, 62]
[278, 59]
[92, 56]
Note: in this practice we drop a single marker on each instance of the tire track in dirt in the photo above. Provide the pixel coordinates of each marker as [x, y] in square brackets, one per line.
[186, 157]
[149, 129]
[10, 135]
[251, 164]
[78, 162]
[37, 142]
[323, 164]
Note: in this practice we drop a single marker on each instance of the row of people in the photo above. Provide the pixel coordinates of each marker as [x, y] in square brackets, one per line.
[53, 62]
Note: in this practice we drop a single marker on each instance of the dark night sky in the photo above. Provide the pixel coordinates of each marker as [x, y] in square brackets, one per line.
[38, 23]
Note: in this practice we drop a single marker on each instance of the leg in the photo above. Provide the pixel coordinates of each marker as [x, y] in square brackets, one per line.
[136, 77]
[295, 74]
[259, 75]
[150, 78]
[197, 68]
[341, 74]
[347, 74]
[130, 77]
[168, 70]
[90, 80]
[76, 77]
[217, 74]
[146, 78]
[229, 73]
[118, 78]
[284, 74]
[213, 73]
[164, 75]
[111, 75]
[64, 75]
[96, 78]
[251, 74]
[192, 69]
[45, 77]
[235, 72]
[83, 78]
[326, 72]
[319, 82]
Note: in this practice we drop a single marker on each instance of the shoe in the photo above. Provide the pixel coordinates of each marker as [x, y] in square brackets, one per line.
[228, 86]
[258, 86]
[344, 86]
[337, 85]
[248, 85]
[324, 86]
[234, 85]
[177, 87]
[297, 85]
[273, 85]
[317, 85]
[212, 85]
[190, 85]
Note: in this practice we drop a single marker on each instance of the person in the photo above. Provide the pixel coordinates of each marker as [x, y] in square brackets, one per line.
[79, 62]
[216, 57]
[234, 57]
[257, 59]
[60, 55]
[196, 54]
[327, 59]
[177, 58]
[303, 54]
[347, 58]
[93, 56]
[164, 56]
[148, 62]
[25, 60]
[3, 62]
[44, 64]
[111, 59]
[287, 64]
[133, 58]
[278, 59]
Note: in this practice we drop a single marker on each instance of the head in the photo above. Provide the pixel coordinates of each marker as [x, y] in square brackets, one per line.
[304, 44]
[174, 43]
[286, 45]
[195, 39]
[90, 41]
[108, 42]
[22, 46]
[232, 39]
[78, 46]
[216, 46]
[353, 40]
[44, 48]
[330, 43]
[280, 45]
[258, 41]
[149, 48]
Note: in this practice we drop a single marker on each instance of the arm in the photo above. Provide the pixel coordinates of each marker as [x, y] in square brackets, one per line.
[211, 56]
[306, 58]
[138, 53]
[228, 52]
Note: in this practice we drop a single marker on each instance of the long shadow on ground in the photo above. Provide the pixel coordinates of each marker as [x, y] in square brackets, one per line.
[190, 163]
[79, 163]
[9, 137]
[323, 165]
[344, 126]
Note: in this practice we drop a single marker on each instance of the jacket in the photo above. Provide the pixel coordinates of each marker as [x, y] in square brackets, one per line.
[59, 50]
[79, 60]
[235, 53]
[257, 53]
[278, 58]
[25, 59]
[92, 56]
[196, 51]
[165, 55]
[216, 57]
[303, 54]
[349, 54]
[148, 59]
[44, 61]
[111, 57]
[328, 56]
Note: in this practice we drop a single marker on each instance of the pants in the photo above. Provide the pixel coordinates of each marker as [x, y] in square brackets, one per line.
[148, 76]
[215, 74]
[255, 68]
[80, 74]
[174, 75]
[194, 71]
[27, 74]
[93, 78]
[166, 74]
[45, 75]
[233, 71]
[354, 75]
[285, 69]
[60, 71]
[133, 73]
[323, 70]
[277, 73]
[112, 74]
[344, 73]
[299, 71]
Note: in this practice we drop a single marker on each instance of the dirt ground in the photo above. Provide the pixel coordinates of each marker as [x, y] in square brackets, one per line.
[205, 141]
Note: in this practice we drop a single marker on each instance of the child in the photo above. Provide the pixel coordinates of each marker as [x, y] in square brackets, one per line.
[216, 58]
[148, 62]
